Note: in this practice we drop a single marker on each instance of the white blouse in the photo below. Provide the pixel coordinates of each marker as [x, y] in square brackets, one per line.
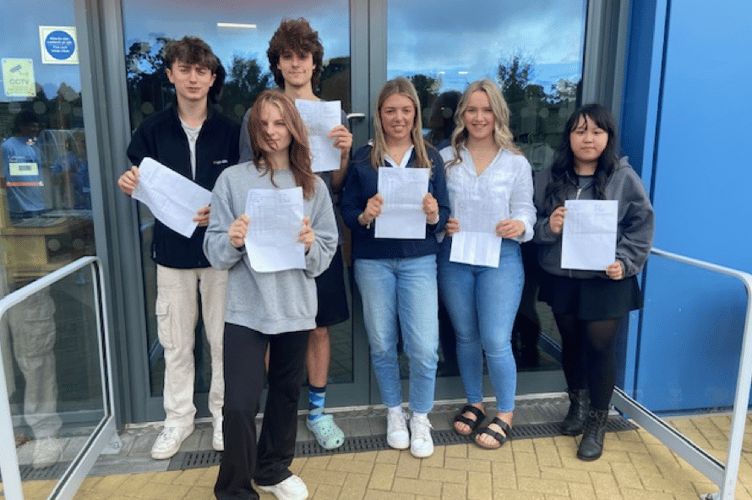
[508, 177]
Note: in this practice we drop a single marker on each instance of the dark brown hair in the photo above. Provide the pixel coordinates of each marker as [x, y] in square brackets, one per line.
[295, 35]
[193, 50]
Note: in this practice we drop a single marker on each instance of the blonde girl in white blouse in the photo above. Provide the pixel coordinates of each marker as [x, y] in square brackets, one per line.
[485, 169]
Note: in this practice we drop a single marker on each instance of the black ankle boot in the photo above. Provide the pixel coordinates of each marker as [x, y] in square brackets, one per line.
[591, 445]
[579, 404]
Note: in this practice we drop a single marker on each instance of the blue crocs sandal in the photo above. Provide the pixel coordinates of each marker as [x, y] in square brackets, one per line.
[328, 434]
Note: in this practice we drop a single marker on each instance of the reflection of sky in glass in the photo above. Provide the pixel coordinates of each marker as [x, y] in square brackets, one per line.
[144, 19]
[20, 40]
[427, 40]
[464, 40]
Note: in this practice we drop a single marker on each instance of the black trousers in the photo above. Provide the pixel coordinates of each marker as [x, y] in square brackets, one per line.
[268, 462]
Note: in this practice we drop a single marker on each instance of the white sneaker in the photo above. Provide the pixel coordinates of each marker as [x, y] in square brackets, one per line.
[218, 439]
[292, 488]
[169, 440]
[47, 451]
[397, 436]
[421, 442]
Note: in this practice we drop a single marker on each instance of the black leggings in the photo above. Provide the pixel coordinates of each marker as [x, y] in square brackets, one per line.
[588, 357]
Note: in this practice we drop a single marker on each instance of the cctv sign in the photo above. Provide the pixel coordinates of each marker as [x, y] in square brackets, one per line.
[18, 78]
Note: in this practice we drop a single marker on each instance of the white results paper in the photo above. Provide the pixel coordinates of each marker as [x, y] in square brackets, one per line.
[172, 198]
[402, 215]
[589, 236]
[476, 242]
[320, 117]
[276, 217]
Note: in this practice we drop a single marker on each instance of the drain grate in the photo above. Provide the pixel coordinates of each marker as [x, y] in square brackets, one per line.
[54, 471]
[196, 459]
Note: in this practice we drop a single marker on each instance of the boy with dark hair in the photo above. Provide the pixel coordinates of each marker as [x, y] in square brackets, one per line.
[296, 57]
[194, 140]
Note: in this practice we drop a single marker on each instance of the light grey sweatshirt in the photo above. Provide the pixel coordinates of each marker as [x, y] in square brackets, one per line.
[276, 302]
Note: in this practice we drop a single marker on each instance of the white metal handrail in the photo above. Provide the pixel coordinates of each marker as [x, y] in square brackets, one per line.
[725, 476]
[68, 484]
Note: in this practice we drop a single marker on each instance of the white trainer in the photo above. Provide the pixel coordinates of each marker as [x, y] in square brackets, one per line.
[218, 439]
[47, 451]
[421, 442]
[169, 440]
[292, 488]
[397, 436]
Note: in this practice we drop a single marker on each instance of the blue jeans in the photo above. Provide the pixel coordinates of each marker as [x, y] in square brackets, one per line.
[404, 288]
[482, 303]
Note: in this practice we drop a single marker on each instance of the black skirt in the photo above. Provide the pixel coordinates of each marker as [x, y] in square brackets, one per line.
[590, 299]
[330, 290]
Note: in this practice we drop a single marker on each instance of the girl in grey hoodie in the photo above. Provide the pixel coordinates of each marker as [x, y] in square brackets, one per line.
[588, 305]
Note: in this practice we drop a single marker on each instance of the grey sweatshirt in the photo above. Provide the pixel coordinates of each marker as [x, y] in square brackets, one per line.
[277, 302]
[636, 221]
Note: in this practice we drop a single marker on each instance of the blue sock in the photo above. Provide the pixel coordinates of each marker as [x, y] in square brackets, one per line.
[316, 401]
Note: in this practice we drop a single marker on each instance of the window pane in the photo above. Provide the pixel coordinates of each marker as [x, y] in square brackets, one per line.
[534, 51]
[48, 341]
[241, 46]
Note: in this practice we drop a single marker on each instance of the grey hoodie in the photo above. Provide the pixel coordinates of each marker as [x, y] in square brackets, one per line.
[634, 236]
[277, 302]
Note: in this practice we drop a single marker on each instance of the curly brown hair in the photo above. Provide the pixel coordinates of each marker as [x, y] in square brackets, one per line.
[295, 35]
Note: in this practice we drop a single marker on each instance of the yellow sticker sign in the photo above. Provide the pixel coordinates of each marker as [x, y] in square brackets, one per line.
[18, 78]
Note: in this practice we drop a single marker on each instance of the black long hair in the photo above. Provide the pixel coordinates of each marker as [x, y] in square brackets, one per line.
[563, 167]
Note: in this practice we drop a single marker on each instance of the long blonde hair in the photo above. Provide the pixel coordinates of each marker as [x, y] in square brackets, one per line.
[502, 136]
[400, 85]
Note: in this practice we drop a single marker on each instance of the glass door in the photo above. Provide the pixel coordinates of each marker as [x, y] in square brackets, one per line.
[239, 33]
[534, 52]
[52, 336]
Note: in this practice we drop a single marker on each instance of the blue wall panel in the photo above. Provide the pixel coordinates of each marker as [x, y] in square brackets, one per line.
[691, 331]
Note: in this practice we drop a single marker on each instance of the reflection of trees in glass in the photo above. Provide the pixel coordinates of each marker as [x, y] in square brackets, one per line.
[150, 90]
[335, 81]
[537, 117]
[244, 83]
[427, 89]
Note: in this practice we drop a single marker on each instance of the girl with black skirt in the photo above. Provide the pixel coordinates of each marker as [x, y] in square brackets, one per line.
[588, 305]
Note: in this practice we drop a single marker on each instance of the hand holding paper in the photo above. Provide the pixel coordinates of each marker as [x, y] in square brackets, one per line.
[129, 180]
[431, 208]
[556, 220]
[452, 226]
[202, 216]
[306, 236]
[238, 231]
[342, 139]
[173, 199]
[615, 271]
[589, 236]
[510, 228]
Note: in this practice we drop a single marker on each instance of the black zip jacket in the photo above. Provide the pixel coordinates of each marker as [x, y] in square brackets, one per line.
[161, 137]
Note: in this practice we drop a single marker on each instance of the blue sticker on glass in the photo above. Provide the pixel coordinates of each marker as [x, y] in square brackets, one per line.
[60, 45]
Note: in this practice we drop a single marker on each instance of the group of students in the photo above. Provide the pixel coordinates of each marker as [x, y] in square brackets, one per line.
[282, 316]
